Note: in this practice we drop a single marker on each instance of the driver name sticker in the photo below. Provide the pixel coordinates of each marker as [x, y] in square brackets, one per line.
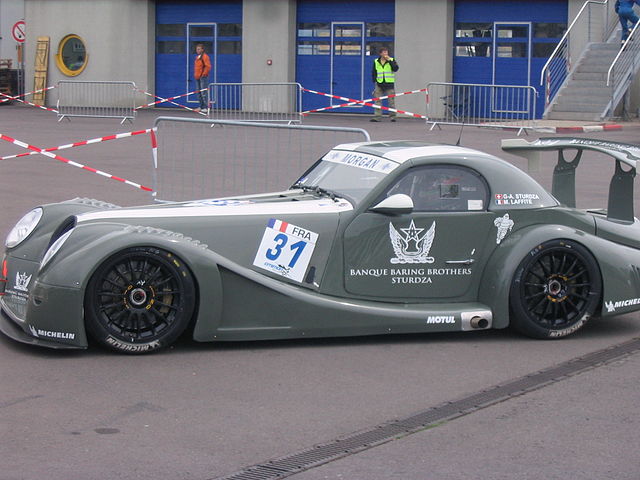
[285, 249]
[361, 160]
[516, 198]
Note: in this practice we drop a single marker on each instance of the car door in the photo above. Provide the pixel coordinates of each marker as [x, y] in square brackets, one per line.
[436, 251]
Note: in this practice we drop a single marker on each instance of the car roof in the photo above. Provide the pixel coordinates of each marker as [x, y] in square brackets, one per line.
[401, 151]
[505, 180]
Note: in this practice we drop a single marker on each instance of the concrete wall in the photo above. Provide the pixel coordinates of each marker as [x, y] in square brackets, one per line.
[423, 48]
[268, 33]
[11, 11]
[119, 36]
[120, 40]
[269, 54]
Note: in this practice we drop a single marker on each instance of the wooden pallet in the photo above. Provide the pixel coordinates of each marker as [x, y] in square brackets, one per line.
[41, 68]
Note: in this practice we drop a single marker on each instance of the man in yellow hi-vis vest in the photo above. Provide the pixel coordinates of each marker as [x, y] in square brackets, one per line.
[383, 73]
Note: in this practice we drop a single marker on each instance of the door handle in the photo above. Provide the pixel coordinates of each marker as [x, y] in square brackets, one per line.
[468, 261]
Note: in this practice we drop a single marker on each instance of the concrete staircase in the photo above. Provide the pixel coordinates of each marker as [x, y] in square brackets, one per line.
[585, 96]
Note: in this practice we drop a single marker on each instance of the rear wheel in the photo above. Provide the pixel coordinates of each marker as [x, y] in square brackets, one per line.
[555, 290]
[139, 300]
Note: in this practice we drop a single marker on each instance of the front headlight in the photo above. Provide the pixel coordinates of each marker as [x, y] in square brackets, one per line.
[23, 228]
[53, 249]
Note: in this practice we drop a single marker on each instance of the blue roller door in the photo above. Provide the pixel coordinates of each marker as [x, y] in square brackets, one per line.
[336, 44]
[182, 25]
[506, 42]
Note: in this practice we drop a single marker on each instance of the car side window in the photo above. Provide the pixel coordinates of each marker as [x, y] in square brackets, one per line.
[443, 188]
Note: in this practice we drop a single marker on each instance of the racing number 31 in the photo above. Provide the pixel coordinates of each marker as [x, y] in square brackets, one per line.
[285, 249]
[281, 240]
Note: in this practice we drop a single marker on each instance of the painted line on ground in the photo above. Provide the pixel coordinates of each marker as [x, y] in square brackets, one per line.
[580, 129]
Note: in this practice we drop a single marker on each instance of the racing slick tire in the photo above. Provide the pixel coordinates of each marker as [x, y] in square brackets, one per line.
[139, 300]
[555, 290]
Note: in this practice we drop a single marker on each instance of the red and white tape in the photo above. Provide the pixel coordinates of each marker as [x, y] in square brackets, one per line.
[357, 102]
[363, 102]
[72, 163]
[84, 142]
[168, 100]
[162, 100]
[29, 103]
[17, 97]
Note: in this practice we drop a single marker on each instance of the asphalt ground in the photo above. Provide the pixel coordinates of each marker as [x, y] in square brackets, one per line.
[204, 411]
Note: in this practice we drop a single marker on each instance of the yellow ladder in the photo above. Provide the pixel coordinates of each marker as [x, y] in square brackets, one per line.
[41, 67]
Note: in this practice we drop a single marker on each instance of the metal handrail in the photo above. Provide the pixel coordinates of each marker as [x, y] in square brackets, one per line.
[622, 69]
[628, 51]
[566, 35]
[557, 71]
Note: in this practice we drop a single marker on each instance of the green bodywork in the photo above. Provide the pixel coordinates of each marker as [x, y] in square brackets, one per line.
[358, 280]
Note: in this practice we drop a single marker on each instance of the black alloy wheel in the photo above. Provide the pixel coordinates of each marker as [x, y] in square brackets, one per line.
[139, 300]
[555, 290]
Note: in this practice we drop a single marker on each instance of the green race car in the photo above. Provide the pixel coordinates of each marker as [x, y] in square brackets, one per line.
[375, 238]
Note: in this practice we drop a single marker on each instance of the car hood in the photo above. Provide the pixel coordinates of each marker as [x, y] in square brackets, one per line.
[290, 202]
[237, 227]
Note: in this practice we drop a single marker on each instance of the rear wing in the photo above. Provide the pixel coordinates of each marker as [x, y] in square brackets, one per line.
[620, 203]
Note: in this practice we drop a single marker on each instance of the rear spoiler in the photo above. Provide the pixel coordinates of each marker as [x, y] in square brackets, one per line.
[620, 204]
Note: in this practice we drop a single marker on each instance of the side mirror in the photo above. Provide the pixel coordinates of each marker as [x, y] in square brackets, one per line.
[394, 205]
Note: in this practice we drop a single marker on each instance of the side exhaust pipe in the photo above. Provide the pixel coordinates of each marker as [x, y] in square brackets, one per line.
[477, 320]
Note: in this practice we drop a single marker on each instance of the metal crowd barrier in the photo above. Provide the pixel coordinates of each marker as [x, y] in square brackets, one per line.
[199, 158]
[481, 105]
[96, 99]
[256, 102]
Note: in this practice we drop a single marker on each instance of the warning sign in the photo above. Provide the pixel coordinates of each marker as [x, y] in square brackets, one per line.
[19, 31]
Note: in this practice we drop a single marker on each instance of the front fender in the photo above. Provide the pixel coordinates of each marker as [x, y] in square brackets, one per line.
[90, 245]
[53, 216]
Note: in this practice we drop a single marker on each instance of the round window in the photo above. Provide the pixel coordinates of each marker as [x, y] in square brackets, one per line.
[72, 55]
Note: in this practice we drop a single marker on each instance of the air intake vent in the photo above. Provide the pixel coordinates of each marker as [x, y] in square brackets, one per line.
[64, 227]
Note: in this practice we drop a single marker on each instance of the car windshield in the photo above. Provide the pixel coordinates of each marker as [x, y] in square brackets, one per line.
[346, 174]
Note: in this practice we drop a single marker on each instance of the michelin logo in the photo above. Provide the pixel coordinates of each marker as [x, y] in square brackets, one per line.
[38, 333]
[613, 306]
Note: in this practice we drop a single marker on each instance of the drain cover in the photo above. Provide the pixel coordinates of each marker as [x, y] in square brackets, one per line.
[312, 457]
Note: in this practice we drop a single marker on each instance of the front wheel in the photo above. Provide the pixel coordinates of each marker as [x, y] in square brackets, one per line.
[555, 290]
[139, 300]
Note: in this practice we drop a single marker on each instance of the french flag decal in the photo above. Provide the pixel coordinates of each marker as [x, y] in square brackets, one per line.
[285, 249]
[278, 225]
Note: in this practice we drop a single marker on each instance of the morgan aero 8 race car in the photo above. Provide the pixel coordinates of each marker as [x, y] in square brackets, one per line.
[374, 238]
